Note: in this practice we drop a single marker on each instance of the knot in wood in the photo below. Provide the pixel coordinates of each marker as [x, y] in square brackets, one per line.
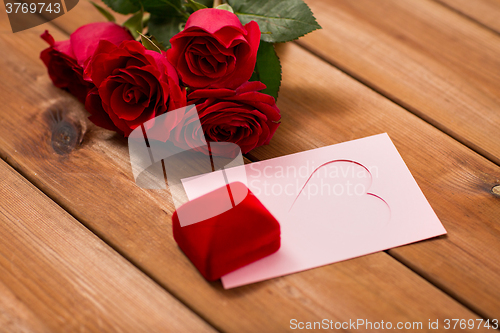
[496, 190]
[64, 137]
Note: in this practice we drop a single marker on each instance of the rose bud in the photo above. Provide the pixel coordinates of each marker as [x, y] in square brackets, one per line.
[63, 67]
[65, 60]
[133, 85]
[243, 116]
[84, 40]
[215, 50]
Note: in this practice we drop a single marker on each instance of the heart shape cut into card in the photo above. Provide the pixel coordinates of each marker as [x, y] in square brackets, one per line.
[389, 209]
[339, 191]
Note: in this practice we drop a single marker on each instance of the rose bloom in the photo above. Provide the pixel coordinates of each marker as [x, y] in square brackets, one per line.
[215, 50]
[65, 60]
[243, 116]
[132, 85]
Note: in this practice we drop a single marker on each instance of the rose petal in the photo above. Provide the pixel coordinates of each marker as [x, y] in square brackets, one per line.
[212, 20]
[98, 116]
[85, 40]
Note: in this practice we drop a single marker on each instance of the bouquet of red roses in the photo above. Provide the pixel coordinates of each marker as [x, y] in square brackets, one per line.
[173, 53]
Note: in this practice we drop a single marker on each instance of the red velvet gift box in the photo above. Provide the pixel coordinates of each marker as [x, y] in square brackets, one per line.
[234, 238]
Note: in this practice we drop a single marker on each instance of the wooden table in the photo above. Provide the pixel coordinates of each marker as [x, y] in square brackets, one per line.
[83, 249]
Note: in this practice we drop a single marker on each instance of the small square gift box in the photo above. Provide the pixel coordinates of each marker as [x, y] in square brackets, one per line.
[232, 239]
[219, 231]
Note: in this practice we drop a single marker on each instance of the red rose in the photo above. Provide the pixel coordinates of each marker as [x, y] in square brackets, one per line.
[63, 68]
[243, 116]
[84, 40]
[215, 50]
[65, 60]
[133, 85]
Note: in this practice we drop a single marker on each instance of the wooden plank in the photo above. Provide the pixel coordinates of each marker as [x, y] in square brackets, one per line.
[55, 275]
[325, 107]
[429, 59]
[95, 184]
[456, 181]
[15, 316]
[486, 12]
[85, 13]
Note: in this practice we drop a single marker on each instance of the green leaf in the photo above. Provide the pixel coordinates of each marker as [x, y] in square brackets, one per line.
[149, 44]
[165, 27]
[157, 43]
[225, 6]
[279, 20]
[134, 24]
[206, 3]
[165, 7]
[268, 69]
[194, 5]
[104, 12]
[145, 19]
[124, 6]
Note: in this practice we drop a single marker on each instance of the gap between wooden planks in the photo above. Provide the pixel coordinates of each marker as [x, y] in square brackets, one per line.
[425, 57]
[445, 69]
[137, 222]
[55, 275]
[331, 108]
[485, 12]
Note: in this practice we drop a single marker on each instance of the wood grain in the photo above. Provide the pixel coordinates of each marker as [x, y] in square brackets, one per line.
[15, 316]
[57, 276]
[486, 12]
[326, 107]
[433, 61]
[94, 183]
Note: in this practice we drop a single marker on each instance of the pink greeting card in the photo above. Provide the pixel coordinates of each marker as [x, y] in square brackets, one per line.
[333, 203]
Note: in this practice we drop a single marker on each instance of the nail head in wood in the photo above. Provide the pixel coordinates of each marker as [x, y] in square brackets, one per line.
[496, 190]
